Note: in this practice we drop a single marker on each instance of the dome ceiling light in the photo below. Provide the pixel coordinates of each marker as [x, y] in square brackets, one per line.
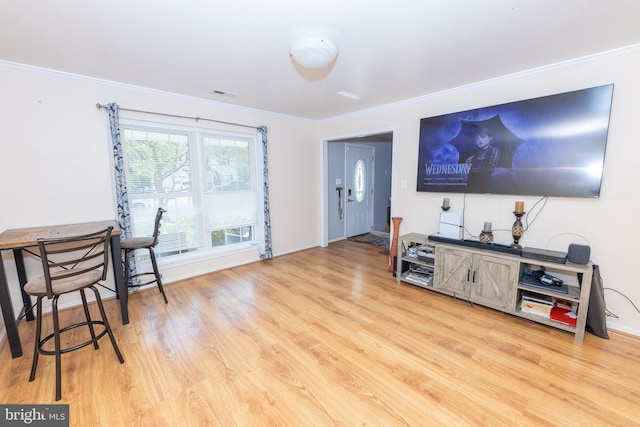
[314, 52]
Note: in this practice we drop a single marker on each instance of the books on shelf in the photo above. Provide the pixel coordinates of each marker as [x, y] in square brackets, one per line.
[536, 309]
[563, 315]
[539, 298]
[549, 307]
[538, 305]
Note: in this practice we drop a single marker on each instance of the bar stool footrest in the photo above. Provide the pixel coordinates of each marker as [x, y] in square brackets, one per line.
[102, 333]
[150, 273]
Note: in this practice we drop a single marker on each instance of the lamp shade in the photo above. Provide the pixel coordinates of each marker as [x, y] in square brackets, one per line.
[314, 52]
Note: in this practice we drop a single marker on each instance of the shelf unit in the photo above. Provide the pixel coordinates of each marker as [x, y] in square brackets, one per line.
[495, 280]
[411, 269]
[578, 292]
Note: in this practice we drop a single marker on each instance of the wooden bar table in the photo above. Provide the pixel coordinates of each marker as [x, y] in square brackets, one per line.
[26, 239]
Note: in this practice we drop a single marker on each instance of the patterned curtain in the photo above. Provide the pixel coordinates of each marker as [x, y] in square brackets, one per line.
[265, 247]
[122, 199]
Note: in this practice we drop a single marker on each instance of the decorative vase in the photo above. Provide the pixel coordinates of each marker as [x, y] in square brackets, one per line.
[393, 251]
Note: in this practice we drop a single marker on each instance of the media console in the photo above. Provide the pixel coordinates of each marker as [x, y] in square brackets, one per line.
[492, 276]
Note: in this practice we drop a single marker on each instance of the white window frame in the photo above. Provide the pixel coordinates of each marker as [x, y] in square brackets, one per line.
[197, 188]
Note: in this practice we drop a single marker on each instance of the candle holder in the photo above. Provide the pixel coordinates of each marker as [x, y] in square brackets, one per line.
[517, 229]
[486, 236]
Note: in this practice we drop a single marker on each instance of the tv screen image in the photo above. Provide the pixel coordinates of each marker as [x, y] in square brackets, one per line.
[548, 146]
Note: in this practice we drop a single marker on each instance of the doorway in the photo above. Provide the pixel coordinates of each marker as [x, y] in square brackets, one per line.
[335, 212]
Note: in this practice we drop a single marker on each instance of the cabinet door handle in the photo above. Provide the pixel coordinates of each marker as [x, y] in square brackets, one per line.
[468, 274]
[474, 277]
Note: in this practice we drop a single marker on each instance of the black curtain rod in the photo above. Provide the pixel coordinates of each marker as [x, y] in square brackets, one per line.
[197, 119]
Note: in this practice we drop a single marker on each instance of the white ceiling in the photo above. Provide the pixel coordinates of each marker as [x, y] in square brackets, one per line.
[389, 51]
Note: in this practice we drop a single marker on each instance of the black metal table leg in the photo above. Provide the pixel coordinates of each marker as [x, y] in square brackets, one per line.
[8, 315]
[22, 278]
[121, 287]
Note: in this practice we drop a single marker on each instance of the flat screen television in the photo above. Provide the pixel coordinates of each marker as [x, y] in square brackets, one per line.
[548, 146]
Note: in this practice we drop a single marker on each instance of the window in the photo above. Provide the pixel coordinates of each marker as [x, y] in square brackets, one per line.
[205, 179]
[359, 178]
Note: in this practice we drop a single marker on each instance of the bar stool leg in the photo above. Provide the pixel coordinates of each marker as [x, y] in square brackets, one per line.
[36, 345]
[107, 325]
[88, 317]
[58, 350]
[157, 274]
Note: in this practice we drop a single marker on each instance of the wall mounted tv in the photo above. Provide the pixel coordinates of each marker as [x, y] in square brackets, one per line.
[548, 146]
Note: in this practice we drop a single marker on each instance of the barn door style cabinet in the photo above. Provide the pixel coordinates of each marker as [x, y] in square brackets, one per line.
[477, 277]
[500, 281]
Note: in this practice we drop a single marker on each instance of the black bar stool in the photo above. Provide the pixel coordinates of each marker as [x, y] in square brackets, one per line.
[70, 264]
[130, 245]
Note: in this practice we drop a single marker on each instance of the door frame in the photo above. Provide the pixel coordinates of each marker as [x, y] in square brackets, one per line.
[325, 188]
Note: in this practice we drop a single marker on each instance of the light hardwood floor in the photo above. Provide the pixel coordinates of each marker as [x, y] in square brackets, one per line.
[325, 337]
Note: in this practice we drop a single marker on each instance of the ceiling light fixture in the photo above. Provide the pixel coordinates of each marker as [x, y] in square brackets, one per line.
[314, 52]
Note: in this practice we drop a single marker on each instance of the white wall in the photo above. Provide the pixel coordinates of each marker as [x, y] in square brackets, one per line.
[606, 223]
[56, 160]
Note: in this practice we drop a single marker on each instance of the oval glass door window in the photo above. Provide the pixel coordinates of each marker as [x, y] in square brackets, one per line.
[360, 182]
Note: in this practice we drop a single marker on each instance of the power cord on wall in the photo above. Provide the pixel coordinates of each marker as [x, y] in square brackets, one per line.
[464, 207]
[611, 314]
[532, 211]
[568, 234]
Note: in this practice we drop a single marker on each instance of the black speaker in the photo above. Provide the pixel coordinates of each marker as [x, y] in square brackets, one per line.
[579, 254]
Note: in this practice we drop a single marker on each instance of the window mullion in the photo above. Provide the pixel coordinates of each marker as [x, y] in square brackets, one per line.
[196, 168]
